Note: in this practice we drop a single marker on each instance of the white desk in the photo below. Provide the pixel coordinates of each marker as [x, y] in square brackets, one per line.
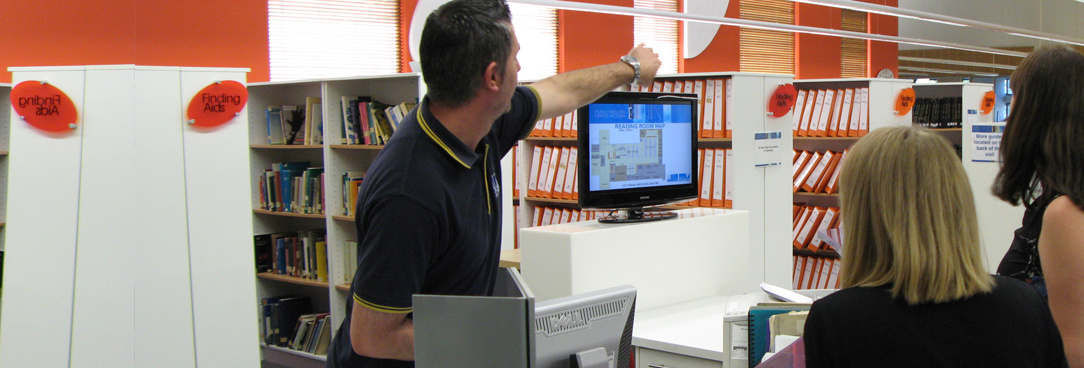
[693, 328]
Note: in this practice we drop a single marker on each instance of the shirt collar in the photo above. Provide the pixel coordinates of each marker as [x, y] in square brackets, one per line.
[444, 139]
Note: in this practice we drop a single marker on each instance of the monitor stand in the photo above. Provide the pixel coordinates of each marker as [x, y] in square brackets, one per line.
[636, 214]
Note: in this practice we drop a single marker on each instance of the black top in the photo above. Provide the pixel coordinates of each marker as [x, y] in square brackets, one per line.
[1021, 261]
[866, 327]
[429, 217]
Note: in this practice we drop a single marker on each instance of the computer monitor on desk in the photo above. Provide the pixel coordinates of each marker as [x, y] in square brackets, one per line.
[565, 327]
[508, 330]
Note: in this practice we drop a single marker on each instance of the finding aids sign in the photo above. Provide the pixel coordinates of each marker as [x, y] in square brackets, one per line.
[986, 142]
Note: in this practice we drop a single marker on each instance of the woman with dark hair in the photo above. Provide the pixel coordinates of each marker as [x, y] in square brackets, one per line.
[1042, 167]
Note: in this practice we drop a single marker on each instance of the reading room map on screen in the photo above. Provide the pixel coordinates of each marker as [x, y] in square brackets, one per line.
[629, 144]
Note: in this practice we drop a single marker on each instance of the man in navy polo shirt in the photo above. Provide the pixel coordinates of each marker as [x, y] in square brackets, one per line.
[428, 215]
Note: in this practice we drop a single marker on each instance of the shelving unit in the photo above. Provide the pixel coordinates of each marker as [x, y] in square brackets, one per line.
[997, 219]
[336, 159]
[761, 191]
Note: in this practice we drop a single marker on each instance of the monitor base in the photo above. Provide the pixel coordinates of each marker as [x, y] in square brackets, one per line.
[636, 214]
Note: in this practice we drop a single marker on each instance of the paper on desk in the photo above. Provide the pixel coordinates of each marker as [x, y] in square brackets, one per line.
[832, 237]
[784, 294]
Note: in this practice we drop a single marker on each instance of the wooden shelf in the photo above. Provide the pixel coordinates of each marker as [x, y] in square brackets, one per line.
[343, 287]
[291, 279]
[714, 140]
[286, 146]
[816, 194]
[289, 214]
[826, 138]
[552, 200]
[510, 258]
[322, 358]
[358, 146]
[3, 153]
[343, 218]
[551, 139]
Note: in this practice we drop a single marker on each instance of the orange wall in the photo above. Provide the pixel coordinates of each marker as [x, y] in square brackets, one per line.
[883, 55]
[234, 34]
[817, 56]
[722, 53]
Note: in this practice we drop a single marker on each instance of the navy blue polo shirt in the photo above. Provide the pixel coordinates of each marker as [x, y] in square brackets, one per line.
[429, 217]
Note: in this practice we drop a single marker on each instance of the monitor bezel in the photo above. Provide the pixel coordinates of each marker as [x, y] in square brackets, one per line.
[637, 197]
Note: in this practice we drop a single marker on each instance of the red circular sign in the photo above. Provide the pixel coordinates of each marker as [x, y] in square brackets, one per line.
[988, 101]
[217, 103]
[905, 101]
[782, 100]
[44, 106]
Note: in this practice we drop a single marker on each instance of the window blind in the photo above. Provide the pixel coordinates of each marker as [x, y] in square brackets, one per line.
[763, 51]
[661, 35]
[853, 51]
[536, 29]
[332, 38]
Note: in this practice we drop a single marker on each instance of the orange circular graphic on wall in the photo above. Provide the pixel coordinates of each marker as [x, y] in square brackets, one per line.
[44, 106]
[988, 101]
[217, 103]
[782, 100]
[905, 101]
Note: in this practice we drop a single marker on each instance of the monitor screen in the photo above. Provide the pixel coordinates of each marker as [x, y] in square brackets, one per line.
[582, 322]
[637, 149]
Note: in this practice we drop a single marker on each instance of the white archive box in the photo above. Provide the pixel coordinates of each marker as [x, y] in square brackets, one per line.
[736, 323]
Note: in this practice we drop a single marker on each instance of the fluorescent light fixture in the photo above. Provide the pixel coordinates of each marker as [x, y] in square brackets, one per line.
[621, 10]
[943, 19]
[946, 71]
[956, 62]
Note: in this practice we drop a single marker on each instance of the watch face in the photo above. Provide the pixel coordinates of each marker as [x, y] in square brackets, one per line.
[886, 73]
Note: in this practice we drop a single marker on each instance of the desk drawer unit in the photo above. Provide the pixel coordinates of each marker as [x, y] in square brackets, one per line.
[649, 358]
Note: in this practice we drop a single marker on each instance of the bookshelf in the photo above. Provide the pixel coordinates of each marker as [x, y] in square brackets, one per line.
[761, 191]
[997, 219]
[335, 158]
[879, 111]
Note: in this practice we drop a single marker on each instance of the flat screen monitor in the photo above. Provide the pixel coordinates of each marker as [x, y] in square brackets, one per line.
[566, 327]
[637, 149]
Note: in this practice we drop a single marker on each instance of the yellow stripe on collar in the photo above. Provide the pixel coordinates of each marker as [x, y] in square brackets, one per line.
[429, 132]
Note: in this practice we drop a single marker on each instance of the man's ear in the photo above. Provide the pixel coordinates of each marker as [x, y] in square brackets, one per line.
[492, 76]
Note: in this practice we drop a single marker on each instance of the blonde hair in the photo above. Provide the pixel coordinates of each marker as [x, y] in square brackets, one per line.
[910, 218]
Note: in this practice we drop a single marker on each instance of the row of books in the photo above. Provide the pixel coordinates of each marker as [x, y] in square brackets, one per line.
[299, 254]
[831, 113]
[553, 173]
[713, 100]
[288, 322]
[716, 190]
[944, 112]
[291, 124]
[294, 187]
[816, 172]
[543, 216]
[371, 122]
[561, 126]
[816, 228]
[349, 256]
[813, 272]
[351, 181]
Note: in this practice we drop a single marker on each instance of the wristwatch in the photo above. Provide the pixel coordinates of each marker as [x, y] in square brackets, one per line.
[635, 64]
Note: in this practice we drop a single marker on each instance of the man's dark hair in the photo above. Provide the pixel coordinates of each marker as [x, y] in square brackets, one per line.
[1042, 147]
[459, 40]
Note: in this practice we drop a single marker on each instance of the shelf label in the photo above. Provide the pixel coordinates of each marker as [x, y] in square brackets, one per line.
[768, 150]
[44, 106]
[905, 101]
[782, 100]
[217, 104]
[988, 102]
[985, 142]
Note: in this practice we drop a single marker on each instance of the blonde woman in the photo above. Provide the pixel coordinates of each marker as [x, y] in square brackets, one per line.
[915, 293]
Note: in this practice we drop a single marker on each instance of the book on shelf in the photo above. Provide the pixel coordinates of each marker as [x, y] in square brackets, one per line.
[264, 261]
[837, 114]
[708, 167]
[349, 256]
[718, 180]
[568, 191]
[280, 317]
[799, 105]
[293, 120]
[728, 99]
[708, 109]
[351, 183]
[312, 106]
[298, 254]
[275, 134]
